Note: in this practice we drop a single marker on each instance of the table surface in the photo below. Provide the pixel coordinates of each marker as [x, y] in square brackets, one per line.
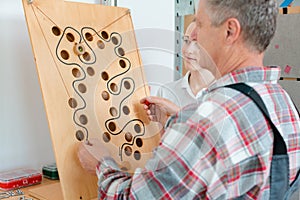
[37, 190]
[25, 190]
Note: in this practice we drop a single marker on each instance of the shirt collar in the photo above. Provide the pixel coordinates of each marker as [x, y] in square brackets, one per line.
[185, 80]
[249, 74]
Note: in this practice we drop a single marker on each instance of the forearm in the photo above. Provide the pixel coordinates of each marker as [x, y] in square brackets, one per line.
[163, 174]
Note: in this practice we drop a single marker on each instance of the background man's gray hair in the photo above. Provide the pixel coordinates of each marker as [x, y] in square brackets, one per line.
[257, 18]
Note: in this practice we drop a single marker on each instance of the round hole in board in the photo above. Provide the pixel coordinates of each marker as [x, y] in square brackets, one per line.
[121, 51]
[79, 135]
[114, 87]
[104, 76]
[76, 73]
[83, 119]
[70, 37]
[100, 44]
[106, 137]
[82, 88]
[126, 110]
[72, 103]
[112, 126]
[86, 56]
[123, 168]
[113, 111]
[64, 54]
[127, 85]
[56, 30]
[137, 155]
[128, 151]
[128, 137]
[114, 40]
[139, 142]
[122, 63]
[90, 71]
[89, 36]
[104, 34]
[105, 95]
[137, 128]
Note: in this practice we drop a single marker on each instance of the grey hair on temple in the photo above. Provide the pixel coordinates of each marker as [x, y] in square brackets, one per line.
[257, 18]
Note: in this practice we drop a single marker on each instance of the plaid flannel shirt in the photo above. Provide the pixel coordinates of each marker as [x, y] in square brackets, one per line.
[220, 148]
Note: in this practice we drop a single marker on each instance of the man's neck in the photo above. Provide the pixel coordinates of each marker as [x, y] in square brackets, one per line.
[238, 59]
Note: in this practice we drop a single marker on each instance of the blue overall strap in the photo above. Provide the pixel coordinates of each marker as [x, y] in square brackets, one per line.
[279, 174]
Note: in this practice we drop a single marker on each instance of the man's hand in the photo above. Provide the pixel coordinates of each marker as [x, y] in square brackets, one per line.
[159, 109]
[90, 154]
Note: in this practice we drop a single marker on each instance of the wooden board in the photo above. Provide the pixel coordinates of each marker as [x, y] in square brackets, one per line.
[92, 79]
[47, 192]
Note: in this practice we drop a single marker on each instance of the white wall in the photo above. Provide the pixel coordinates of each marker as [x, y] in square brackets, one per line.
[154, 22]
[25, 139]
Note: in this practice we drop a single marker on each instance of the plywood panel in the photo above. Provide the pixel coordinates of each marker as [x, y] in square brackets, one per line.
[92, 79]
[47, 192]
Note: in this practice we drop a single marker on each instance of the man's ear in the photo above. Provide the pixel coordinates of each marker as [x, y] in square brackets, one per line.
[233, 30]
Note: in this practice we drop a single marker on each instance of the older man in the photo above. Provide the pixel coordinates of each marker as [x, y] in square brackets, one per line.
[220, 148]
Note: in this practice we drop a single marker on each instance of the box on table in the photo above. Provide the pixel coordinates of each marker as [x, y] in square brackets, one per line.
[18, 178]
[50, 171]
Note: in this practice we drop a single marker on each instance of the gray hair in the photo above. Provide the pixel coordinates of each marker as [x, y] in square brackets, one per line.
[257, 19]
